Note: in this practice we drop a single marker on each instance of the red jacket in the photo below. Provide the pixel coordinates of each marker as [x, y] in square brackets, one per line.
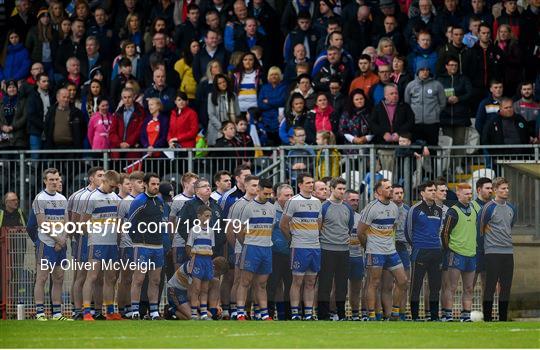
[184, 127]
[132, 134]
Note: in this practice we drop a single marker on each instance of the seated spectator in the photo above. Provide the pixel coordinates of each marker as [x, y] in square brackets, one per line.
[271, 99]
[126, 125]
[295, 117]
[366, 78]
[183, 124]
[322, 168]
[354, 122]
[12, 119]
[99, 127]
[507, 128]
[526, 106]
[222, 106]
[155, 127]
[184, 67]
[322, 117]
[17, 60]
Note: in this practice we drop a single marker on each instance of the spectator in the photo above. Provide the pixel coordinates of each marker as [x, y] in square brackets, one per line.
[387, 8]
[480, 10]
[11, 215]
[129, 51]
[471, 38]
[132, 31]
[119, 81]
[22, 20]
[37, 108]
[184, 67]
[189, 30]
[511, 17]
[512, 57]
[204, 87]
[212, 50]
[155, 127]
[57, 14]
[400, 76]
[386, 51]
[358, 30]
[295, 117]
[271, 99]
[489, 62]
[235, 24]
[71, 46]
[354, 122]
[455, 117]
[322, 167]
[335, 41]
[64, 125]
[89, 100]
[159, 54]
[336, 97]
[227, 140]
[489, 107]
[322, 117]
[507, 128]
[73, 74]
[99, 127]
[293, 11]
[268, 19]
[366, 79]
[158, 25]
[125, 9]
[28, 85]
[392, 31]
[457, 49]
[334, 66]
[449, 16]
[164, 9]
[17, 61]
[222, 106]
[183, 124]
[12, 119]
[299, 56]
[422, 51]
[248, 37]
[301, 158]
[426, 97]
[334, 25]
[102, 31]
[126, 125]
[384, 72]
[526, 106]
[304, 88]
[159, 89]
[242, 133]
[424, 21]
[304, 34]
[324, 14]
[42, 41]
[247, 81]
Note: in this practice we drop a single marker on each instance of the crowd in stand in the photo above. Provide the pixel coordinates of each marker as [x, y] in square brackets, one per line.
[134, 74]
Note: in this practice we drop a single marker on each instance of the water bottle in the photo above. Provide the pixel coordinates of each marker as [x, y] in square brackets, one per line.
[21, 314]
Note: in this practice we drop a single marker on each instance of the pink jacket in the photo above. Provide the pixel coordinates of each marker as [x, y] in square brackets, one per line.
[98, 131]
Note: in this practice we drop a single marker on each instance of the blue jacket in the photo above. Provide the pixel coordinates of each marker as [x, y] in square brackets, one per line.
[276, 97]
[144, 210]
[422, 226]
[487, 109]
[279, 243]
[420, 56]
[16, 64]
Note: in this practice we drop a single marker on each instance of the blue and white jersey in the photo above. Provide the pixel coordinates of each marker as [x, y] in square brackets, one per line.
[54, 208]
[355, 249]
[178, 202]
[73, 200]
[260, 218]
[123, 209]
[80, 205]
[234, 215]
[103, 207]
[201, 240]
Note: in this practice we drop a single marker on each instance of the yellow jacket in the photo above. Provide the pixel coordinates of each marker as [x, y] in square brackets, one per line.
[320, 163]
[188, 85]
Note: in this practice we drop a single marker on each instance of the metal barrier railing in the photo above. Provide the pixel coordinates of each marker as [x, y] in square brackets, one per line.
[20, 171]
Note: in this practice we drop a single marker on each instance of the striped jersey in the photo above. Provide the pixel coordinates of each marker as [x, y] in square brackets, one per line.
[201, 240]
[260, 217]
[53, 207]
[400, 222]
[180, 279]
[104, 208]
[178, 202]
[305, 214]
[234, 215]
[216, 196]
[123, 210]
[381, 219]
[80, 205]
[73, 200]
[247, 92]
[355, 249]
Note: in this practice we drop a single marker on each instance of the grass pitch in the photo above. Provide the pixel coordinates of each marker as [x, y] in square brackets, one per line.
[258, 334]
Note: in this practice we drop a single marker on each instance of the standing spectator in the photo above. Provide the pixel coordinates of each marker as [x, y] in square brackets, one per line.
[489, 63]
[160, 53]
[526, 106]
[511, 17]
[299, 56]
[366, 78]
[118, 83]
[64, 125]
[489, 106]
[304, 34]
[126, 125]
[42, 41]
[512, 56]
[204, 87]
[376, 93]
[295, 116]
[99, 127]
[426, 97]
[12, 119]
[128, 50]
[37, 108]
[336, 43]
[386, 51]
[507, 128]
[301, 157]
[28, 85]
[163, 9]
[17, 61]
[72, 46]
[190, 30]
[95, 60]
[222, 106]
[455, 117]
[158, 25]
[354, 123]
[271, 99]
[336, 97]
[132, 31]
[322, 167]
[184, 68]
[479, 9]
[102, 31]
[292, 12]
[247, 81]
[322, 117]
[183, 124]
[424, 21]
[422, 51]
[497, 218]
[23, 20]
[394, 33]
[155, 127]
[127, 8]
[57, 14]
[304, 87]
[400, 76]
[160, 90]
[449, 16]
[212, 50]
[89, 102]
[358, 30]
[457, 49]
[471, 38]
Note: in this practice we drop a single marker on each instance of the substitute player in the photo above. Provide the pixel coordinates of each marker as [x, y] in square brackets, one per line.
[376, 231]
[256, 257]
[50, 207]
[300, 224]
[459, 238]
[102, 210]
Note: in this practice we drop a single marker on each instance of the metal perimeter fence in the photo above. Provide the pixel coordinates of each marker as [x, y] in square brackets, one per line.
[20, 172]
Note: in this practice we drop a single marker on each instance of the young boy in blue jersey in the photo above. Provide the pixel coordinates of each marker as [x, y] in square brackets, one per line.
[199, 248]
